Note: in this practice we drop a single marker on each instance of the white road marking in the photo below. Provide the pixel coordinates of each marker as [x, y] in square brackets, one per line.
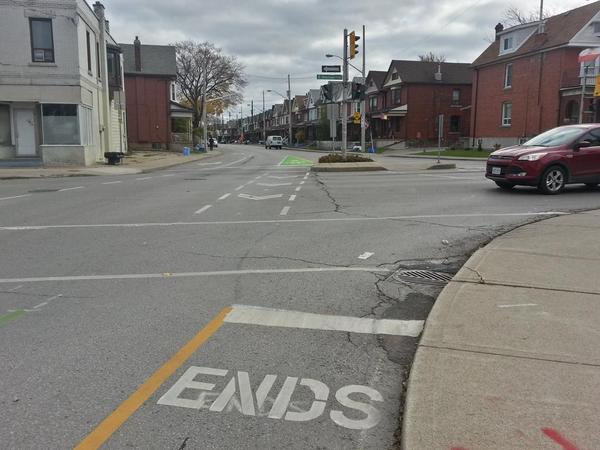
[47, 301]
[302, 182]
[209, 163]
[112, 182]
[168, 175]
[144, 276]
[268, 317]
[517, 305]
[15, 196]
[441, 176]
[239, 188]
[305, 177]
[366, 255]
[307, 173]
[16, 288]
[290, 221]
[284, 211]
[273, 184]
[204, 208]
[255, 197]
[292, 197]
[70, 189]
[230, 164]
[285, 177]
[143, 178]
[40, 305]
[223, 197]
[298, 188]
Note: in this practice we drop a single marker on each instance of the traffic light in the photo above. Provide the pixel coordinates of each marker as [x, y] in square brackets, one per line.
[358, 91]
[353, 44]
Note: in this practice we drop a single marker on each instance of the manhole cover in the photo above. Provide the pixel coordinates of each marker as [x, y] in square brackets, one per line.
[43, 190]
[422, 276]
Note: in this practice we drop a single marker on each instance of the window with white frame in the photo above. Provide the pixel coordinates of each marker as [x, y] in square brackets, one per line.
[42, 42]
[373, 103]
[508, 75]
[456, 97]
[86, 126]
[507, 43]
[506, 114]
[5, 138]
[60, 124]
[396, 96]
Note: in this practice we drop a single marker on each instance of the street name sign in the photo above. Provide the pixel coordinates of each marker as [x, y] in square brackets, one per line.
[331, 69]
[325, 76]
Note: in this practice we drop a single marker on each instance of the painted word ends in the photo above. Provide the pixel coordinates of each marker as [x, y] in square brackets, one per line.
[237, 393]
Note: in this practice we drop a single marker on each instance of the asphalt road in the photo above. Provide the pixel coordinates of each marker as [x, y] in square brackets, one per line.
[232, 303]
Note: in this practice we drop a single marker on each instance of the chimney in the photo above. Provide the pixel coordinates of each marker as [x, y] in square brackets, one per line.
[99, 10]
[438, 74]
[137, 50]
[499, 29]
[107, 24]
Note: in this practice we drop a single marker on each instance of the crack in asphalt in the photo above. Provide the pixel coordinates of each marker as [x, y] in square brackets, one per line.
[319, 263]
[481, 279]
[323, 187]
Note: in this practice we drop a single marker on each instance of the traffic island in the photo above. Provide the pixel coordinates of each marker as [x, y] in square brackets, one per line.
[442, 167]
[350, 163]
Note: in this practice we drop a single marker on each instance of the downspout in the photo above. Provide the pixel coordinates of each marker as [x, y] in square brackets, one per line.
[474, 107]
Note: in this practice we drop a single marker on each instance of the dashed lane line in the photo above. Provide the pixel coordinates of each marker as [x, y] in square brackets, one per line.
[298, 188]
[292, 197]
[284, 211]
[15, 196]
[71, 188]
[143, 178]
[204, 208]
[112, 182]
[223, 197]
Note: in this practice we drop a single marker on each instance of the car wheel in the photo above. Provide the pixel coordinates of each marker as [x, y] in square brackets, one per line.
[553, 180]
[505, 185]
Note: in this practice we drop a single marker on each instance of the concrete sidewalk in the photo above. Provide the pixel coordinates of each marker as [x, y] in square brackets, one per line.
[135, 162]
[510, 355]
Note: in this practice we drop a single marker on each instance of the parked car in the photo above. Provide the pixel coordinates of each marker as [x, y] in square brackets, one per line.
[551, 160]
[356, 147]
[274, 141]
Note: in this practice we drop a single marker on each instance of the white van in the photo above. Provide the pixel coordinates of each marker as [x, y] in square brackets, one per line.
[274, 141]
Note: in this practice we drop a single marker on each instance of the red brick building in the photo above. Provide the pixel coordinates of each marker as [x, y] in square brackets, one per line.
[528, 79]
[150, 73]
[404, 104]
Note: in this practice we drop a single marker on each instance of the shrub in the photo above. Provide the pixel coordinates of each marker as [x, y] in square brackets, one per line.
[337, 158]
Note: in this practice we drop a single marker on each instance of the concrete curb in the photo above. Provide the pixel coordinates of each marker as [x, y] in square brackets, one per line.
[213, 154]
[446, 158]
[347, 167]
[442, 167]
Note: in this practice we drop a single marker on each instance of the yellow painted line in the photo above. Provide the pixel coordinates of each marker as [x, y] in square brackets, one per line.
[126, 409]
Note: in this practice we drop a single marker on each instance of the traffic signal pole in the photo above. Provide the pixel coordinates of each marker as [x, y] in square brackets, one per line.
[344, 83]
[363, 109]
[289, 93]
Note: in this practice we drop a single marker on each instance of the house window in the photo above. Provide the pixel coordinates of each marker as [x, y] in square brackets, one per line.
[596, 26]
[60, 124]
[454, 124]
[506, 114]
[85, 124]
[98, 59]
[507, 43]
[113, 64]
[373, 103]
[42, 43]
[88, 46]
[456, 97]
[508, 76]
[396, 96]
[572, 112]
[5, 125]
[394, 75]
[173, 96]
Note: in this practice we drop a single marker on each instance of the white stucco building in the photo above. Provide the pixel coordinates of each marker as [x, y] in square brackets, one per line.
[61, 83]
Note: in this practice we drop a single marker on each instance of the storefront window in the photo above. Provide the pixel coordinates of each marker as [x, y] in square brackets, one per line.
[4, 125]
[60, 124]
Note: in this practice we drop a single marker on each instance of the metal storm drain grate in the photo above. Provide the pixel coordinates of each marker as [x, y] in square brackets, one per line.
[422, 276]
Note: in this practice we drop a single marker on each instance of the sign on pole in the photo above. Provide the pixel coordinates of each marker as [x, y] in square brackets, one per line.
[321, 76]
[597, 87]
[332, 114]
[331, 69]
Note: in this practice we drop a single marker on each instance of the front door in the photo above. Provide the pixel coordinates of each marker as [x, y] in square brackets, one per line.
[25, 132]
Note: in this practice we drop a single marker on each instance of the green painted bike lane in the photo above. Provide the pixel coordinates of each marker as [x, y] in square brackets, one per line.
[295, 161]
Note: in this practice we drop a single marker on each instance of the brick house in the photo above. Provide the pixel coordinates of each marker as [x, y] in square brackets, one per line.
[415, 93]
[528, 79]
[150, 73]
[375, 102]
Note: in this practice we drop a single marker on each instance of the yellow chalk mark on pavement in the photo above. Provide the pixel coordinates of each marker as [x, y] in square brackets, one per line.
[126, 409]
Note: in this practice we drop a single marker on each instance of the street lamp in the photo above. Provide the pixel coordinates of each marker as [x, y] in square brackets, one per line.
[289, 98]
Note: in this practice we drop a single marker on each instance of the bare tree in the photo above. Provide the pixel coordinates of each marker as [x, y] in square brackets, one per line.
[514, 16]
[432, 57]
[200, 63]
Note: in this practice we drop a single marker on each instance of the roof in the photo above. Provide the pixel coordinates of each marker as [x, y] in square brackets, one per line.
[378, 77]
[559, 30]
[424, 72]
[156, 60]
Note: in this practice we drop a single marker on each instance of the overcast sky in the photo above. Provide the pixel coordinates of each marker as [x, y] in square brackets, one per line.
[275, 37]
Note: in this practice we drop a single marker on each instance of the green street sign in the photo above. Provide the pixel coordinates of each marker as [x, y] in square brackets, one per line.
[327, 76]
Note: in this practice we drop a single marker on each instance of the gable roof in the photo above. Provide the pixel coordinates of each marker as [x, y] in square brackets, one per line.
[424, 72]
[377, 76]
[558, 31]
[156, 60]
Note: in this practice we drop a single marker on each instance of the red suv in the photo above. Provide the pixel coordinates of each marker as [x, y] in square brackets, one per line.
[560, 156]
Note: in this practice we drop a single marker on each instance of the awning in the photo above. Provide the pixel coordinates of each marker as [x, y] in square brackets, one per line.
[400, 111]
[179, 110]
[589, 54]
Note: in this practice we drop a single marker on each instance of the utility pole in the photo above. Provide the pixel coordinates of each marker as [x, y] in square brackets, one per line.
[204, 125]
[264, 121]
[289, 93]
[363, 109]
[344, 83]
